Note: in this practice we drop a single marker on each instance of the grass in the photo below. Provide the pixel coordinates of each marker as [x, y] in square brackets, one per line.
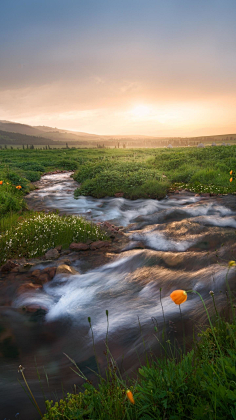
[140, 173]
[199, 384]
[33, 234]
[152, 173]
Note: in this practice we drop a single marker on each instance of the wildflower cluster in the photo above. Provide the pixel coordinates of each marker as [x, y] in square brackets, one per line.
[202, 188]
[36, 234]
[18, 187]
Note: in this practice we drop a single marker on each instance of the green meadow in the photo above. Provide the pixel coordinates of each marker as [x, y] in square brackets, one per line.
[134, 172]
[139, 173]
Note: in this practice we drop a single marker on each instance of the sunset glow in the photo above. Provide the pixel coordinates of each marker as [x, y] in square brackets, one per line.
[141, 111]
[159, 68]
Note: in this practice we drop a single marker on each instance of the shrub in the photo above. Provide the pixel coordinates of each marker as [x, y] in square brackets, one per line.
[69, 165]
[10, 202]
[122, 177]
[31, 166]
[33, 176]
[16, 179]
[209, 176]
[150, 189]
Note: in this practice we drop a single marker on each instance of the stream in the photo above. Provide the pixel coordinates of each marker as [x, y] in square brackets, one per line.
[181, 242]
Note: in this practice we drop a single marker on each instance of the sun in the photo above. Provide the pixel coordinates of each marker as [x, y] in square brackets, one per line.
[141, 111]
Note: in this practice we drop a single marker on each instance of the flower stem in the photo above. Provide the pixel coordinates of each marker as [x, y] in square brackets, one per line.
[212, 329]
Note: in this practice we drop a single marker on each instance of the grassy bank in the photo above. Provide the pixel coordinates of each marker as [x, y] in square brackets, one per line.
[152, 173]
[200, 384]
[34, 233]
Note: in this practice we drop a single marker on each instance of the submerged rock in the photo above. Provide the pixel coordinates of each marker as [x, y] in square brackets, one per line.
[28, 287]
[50, 271]
[66, 269]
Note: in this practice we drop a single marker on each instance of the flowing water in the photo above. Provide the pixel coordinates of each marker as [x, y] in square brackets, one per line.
[186, 242]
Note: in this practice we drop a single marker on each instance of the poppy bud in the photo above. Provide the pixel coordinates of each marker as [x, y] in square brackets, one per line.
[130, 396]
[179, 296]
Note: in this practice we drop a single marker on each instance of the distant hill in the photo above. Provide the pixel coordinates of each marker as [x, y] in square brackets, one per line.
[18, 134]
[19, 128]
[10, 139]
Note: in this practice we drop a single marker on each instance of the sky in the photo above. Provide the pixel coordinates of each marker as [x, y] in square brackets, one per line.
[147, 67]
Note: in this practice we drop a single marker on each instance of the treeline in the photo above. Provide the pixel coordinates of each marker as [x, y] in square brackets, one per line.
[165, 142]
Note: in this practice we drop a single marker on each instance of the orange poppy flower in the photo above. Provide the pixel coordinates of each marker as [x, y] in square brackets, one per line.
[231, 173]
[231, 179]
[18, 187]
[130, 396]
[1, 182]
[178, 296]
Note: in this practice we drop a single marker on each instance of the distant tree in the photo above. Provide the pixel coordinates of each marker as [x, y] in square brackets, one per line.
[23, 146]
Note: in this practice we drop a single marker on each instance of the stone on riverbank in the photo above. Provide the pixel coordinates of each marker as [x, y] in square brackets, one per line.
[99, 244]
[52, 254]
[8, 266]
[80, 246]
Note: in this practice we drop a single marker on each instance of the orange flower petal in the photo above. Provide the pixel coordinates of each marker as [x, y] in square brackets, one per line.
[130, 396]
[231, 179]
[231, 173]
[179, 296]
